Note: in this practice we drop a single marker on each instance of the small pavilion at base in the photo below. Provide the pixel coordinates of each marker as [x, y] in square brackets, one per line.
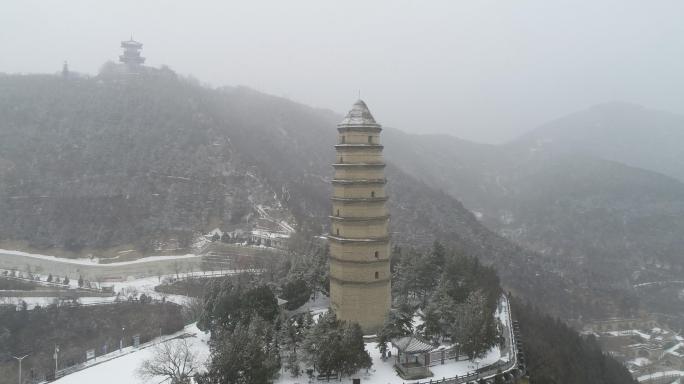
[413, 357]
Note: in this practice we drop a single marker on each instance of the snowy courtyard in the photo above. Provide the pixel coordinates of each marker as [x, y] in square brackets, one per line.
[121, 367]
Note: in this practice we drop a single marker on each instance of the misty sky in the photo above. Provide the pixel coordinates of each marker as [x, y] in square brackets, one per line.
[481, 70]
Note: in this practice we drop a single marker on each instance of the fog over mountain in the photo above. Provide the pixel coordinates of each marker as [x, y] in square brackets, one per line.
[486, 71]
[621, 132]
[503, 202]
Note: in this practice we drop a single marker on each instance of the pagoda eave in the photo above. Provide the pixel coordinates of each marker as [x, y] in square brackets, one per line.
[360, 199]
[348, 147]
[129, 60]
[359, 165]
[363, 262]
[359, 181]
[359, 219]
[371, 240]
[359, 128]
[348, 282]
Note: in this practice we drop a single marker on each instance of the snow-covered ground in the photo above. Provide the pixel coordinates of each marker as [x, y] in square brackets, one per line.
[639, 361]
[146, 285]
[382, 371]
[122, 366]
[32, 302]
[95, 261]
[662, 374]
[630, 332]
[123, 369]
[132, 287]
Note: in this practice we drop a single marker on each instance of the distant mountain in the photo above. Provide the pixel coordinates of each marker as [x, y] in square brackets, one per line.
[602, 224]
[622, 132]
[99, 163]
[131, 163]
[118, 162]
[111, 162]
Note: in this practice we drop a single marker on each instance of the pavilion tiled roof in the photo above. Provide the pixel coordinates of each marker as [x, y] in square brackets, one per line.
[412, 344]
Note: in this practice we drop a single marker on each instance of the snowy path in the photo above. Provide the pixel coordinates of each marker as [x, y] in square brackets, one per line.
[383, 372]
[95, 261]
[123, 369]
[120, 367]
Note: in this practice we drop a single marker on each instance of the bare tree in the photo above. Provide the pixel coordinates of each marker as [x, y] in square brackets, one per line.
[173, 361]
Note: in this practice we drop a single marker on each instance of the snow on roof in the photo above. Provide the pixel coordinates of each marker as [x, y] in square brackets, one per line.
[412, 344]
[270, 235]
[359, 115]
[639, 361]
[131, 43]
[630, 332]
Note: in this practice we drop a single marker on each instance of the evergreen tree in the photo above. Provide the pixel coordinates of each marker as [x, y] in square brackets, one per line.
[49, 278]
[296, 292]
[335, 347]
[248, 354]
[293, 364]
[438, 255]
[397, 324]
[228, 303]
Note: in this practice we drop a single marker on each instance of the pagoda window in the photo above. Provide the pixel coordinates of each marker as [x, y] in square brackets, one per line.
[377, 254]
[377, 275]
[338, 213]
[370, 139]
[342, 139]
[372, 193]
[338, 231]
[341, 160]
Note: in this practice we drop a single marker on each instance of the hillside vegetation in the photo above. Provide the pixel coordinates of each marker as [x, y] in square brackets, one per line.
[603, 225]
[90, 164]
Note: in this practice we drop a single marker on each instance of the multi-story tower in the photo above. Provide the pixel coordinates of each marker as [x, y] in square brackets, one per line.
[131, 54]
[359, 240]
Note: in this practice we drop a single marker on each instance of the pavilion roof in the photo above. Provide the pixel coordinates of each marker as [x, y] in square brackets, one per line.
[412, 344]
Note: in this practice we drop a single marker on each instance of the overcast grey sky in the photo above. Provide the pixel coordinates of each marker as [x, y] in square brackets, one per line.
[481, 70]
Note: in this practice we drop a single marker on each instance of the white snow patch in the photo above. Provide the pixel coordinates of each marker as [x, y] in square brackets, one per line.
[630, 332]
[660, 374]
[123, 364]
[95, 261]
[640, 361]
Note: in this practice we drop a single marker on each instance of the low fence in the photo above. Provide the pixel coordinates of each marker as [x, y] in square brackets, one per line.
[59, 286]
[114, 355]
[442, 356]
